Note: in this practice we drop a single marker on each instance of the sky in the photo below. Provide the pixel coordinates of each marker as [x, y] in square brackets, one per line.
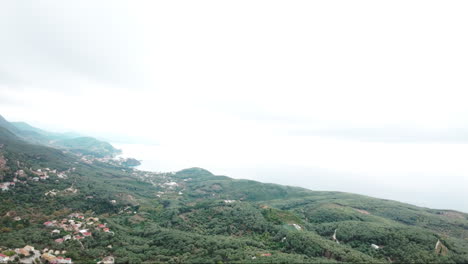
[356, 96]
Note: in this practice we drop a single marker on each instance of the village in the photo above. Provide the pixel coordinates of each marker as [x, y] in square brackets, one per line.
[75, 227]
[112, 160]
[30, 255]
[22, 177]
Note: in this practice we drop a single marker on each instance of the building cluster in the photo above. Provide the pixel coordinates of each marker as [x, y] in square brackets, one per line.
[54, 192]
[13, 255]
[29, 254]
[20, 176]
[5, 186]
[76, 227]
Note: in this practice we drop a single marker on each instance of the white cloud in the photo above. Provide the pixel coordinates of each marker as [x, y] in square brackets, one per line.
[259, 83]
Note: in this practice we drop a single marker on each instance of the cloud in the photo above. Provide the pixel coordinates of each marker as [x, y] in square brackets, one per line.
[50, 43]
[318, 86]
[303, 69]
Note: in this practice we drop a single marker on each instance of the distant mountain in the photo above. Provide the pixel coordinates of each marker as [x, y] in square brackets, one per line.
[94, 209]
[26, 127]
[6, 135]
[87, 146]
[5, 124]
[68, 141]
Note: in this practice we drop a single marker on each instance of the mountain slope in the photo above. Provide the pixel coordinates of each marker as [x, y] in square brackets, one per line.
[87, 146]
[7, 125]
[195, 216]
[67, 141]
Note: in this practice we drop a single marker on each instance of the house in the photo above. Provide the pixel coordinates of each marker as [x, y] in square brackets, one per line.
[374, 246]
[78, 237]
[171, 184]
[101, 226]
[49, 224]
[36, 179]
[298, 227]
[22, 251]
[4, 187]
[51, 193]
[29, 248]
[86, 234]
[67, 237]
[265, 254]
[106, 229]
[55, 231]
[76, 215]
[20, 173]
[107, 260]
[61, 260]
[49, 257]
[4, 258]
[59, 240]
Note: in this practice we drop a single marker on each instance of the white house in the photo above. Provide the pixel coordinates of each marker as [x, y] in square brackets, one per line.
[4, 258]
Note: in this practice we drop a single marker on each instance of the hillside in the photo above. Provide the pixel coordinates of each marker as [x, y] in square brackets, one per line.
[86, 146]
[88, 211]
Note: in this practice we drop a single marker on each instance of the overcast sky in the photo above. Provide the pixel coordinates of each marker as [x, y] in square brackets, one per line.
[376, 89]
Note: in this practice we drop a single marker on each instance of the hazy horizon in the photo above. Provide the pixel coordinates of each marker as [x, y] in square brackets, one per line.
[364, 97]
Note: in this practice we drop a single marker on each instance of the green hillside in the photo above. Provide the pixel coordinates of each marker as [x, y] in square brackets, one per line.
[196, 217]
[73, 142]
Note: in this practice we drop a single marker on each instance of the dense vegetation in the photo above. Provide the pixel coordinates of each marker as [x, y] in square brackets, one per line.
[195, 216]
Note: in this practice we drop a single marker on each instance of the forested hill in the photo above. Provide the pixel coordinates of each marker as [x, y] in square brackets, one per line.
[96, 210]
[78, 144]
